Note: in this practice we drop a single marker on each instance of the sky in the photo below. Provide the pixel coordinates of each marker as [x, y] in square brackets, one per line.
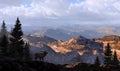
[60, 12]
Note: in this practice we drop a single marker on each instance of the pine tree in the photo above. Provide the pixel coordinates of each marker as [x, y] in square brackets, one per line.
[115, 60]
[4, 40]
[4, 45]
[3, 30]
[26, 52]
[16, 41]
[108, 55]
[97, 62]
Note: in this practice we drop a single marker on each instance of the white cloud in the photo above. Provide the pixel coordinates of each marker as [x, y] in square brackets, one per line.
[62, 11]
[4, 3]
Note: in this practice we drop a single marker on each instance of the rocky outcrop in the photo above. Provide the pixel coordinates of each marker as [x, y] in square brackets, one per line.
[114, 42]
[86, 48]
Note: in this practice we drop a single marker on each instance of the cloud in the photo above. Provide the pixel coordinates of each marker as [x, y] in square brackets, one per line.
[61, 11]
[4, 3]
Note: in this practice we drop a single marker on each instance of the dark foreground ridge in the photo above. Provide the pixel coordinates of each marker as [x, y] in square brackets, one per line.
[27, 66]
[13, 65]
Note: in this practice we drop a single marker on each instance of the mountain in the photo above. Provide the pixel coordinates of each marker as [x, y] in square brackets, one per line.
[39, 44]
[66, 32]
[58, 34]
[86, 48]
[39, 39]
[79, 49]
[54, 57]
[113, 40]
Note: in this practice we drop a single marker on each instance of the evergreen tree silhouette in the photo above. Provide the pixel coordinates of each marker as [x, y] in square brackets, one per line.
[16, 41]
[26, 52]
[3, 30]
[4, 40]
[115, 59]
[107, 55]
[97, 62]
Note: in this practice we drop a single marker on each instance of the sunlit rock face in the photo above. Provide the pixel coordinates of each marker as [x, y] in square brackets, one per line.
[114, 42]
[78, 49]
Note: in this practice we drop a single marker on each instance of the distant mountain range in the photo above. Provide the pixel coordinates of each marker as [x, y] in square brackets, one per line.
[78, 43]
[36, 39]
[78, 49]
[71, 31]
